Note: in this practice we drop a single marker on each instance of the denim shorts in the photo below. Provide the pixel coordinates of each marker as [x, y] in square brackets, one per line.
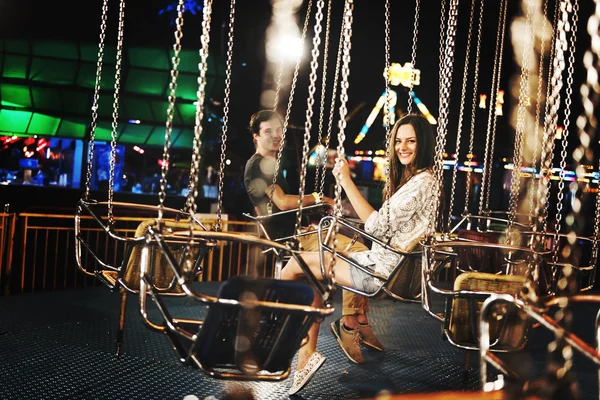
[363, 281]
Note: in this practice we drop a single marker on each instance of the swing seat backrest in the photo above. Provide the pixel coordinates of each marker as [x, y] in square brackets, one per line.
[253, 339]
[473, 258]
[506, 333]
[404, 283]
[280, 226]
[162, 273]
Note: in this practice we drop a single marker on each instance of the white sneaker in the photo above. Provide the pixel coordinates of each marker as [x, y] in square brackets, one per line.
[304, 375]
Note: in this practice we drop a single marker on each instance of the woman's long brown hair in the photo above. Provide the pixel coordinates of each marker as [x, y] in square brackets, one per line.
[400, 174]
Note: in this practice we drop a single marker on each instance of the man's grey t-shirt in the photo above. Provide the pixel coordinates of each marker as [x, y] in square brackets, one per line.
[258, 176]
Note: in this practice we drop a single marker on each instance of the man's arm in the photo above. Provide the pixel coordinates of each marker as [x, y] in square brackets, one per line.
[288, 201]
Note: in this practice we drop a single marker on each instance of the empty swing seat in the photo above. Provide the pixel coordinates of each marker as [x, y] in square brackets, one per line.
[237, 341]
[463, 301]
[163, 277]
[253, 326]
[508, 332]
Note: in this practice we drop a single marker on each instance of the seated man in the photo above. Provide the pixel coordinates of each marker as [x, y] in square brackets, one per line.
[266, 129]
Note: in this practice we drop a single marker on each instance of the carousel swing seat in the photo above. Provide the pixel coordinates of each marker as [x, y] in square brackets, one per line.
[125, 277]
[578, 256]
[253, 326]
[279, 226]
[404, 282]
[470, 285]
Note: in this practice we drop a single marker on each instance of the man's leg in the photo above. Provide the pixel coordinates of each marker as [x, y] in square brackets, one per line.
[354, 312]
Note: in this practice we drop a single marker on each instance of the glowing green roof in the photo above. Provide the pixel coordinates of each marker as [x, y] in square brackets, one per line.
[48, 88]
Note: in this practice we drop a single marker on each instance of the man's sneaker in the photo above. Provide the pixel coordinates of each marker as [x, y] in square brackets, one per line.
[369, 338]
[349, 341]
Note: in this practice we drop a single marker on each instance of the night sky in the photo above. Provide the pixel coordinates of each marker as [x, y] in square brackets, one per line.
[79, 20]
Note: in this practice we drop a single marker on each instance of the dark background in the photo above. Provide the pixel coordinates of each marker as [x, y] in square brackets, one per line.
[146, 25]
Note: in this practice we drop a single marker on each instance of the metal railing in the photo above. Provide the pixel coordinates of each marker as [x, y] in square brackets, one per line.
[44, 256]
[7, 232]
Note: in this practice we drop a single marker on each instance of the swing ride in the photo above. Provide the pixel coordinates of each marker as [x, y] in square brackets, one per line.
[498, 274]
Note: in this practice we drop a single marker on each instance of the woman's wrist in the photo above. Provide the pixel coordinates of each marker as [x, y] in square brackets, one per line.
[317, 198]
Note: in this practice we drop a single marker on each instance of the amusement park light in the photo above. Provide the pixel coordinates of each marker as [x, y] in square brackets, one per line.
[482, 100]
[289, 47]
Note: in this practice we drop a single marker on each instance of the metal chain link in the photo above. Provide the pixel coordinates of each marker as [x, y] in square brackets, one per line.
[95, 105]
[310, 102]
[387, 121]
[495, 120]
[442, 28]
[217, 226]
[320, 159]
[538, 103]
[590, 93]
[551, 119]
[473, 110]
[197, 142]
[288, 111]
[346, 38]
[115, 115]
[460, 116]
[332, 108]
[279, 84]
[562, 350]
[491, 109]
[175, 60]
[548, 139]
[567, 122]
[445, 90]
[413, 56]
[515, 186]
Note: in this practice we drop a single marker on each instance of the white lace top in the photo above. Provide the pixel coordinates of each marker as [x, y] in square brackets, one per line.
[410, 213]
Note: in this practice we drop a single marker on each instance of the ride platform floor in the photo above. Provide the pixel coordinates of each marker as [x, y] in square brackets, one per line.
[61, 345]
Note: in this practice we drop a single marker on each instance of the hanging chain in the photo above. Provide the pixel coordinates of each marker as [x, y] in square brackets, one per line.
[314, 65]
[217, 226]
[495, 120]
[322, 107]
[551, 119]
[551, 66]
[289, 110]
[445, 89]
[567, 122]
[338, 63]
[442, 42]
[93, 124]
[538, 103]
[346, 38]
[549, 132]
[587, 123]
[460, 117]
[197, 142]
[473, 110]
[562, 351]
[279, 84]
[115, 123]
[387, 120]
[164, 170]
[492, 109]
[515, 186]
[413, 56]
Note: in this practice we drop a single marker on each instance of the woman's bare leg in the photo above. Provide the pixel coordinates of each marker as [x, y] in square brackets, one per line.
[292, 271]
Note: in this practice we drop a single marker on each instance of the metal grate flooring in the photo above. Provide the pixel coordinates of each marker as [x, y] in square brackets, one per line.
[60, 345]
